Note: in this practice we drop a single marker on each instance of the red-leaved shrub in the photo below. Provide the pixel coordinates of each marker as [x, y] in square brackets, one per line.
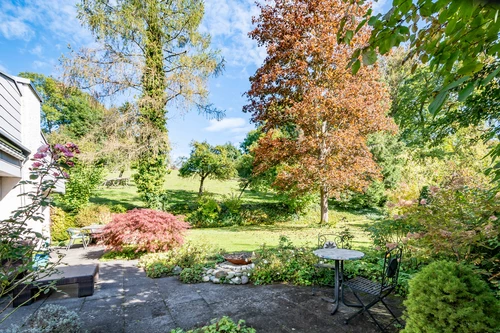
[146, 229]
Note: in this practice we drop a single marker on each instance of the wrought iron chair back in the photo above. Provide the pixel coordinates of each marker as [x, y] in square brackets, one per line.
[326, 241]
[390, 273]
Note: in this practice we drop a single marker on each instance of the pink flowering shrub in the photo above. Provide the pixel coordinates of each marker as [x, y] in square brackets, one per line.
[147, 230]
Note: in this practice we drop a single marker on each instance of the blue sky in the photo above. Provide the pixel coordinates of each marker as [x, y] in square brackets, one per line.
[34, 34]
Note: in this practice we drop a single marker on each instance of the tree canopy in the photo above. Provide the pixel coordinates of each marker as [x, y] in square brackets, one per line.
[65, 106]
[453, 36]
[209, 162]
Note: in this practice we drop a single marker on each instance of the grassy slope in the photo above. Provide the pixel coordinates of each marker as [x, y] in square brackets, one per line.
[238, 238]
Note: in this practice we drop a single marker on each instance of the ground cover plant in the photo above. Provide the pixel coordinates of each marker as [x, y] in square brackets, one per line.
[187, 256]
[223, 325]
[51, 319]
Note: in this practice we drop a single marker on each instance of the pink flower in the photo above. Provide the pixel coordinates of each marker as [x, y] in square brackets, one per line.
[43, 149]
[65, 174]
[36, 165]
[493, 218]
[423, 202]
[39, 155]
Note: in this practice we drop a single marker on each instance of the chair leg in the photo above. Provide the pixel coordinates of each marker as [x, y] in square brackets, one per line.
[392, 313]
[84, 243]
[361, 304]
[69, 244]
[382, 328]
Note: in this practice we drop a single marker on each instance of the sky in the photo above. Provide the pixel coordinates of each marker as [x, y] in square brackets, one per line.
[34, 35]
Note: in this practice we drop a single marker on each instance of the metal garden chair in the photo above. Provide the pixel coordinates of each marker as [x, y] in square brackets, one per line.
[378, 291]
[75, 233]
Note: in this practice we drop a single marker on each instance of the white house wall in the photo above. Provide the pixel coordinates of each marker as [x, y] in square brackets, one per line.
[29, 135]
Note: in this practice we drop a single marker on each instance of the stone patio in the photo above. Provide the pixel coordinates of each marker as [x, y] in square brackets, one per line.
[125, 300]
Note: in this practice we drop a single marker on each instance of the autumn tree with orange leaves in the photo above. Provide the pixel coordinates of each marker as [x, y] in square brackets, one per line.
[315, 114]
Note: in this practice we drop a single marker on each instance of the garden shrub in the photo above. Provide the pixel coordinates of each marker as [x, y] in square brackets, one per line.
[192, 274]
[53, 319]
[84, 180]
[456, 222]
[288, 263]
[93, 214]
[59, 223]
[297, 203]
[187, 256]
[450, 297]
[223, 325]
[146, 229]
[117, 208]
[206, 213]
[231, 204]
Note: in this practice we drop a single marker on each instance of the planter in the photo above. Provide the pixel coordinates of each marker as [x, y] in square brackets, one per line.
[239, 258]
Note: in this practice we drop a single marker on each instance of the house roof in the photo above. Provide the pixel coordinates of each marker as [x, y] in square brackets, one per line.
[22, 80]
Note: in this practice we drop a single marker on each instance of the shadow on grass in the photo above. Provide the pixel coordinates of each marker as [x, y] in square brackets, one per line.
[128, 202]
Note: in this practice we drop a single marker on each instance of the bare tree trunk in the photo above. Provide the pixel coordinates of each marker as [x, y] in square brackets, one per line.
[324, 205]
[243, 189]
[323, 152]
[200, 192]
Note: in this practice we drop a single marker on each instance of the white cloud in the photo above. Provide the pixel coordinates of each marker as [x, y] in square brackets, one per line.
[378, 6]
[39, 64]
[37, 50]
[225, 124]
[57, 16]
[12, 28]
[229, 22]
[244, 129]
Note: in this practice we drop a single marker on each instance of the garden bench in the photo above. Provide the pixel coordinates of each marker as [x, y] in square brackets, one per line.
[83, 275]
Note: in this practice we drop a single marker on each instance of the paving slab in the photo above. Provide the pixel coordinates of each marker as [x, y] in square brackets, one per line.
[191, 314]
[161, 324]
[126, 300]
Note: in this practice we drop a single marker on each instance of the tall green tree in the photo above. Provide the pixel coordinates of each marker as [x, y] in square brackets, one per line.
[209, 162]
[155, 48]
[65, 107]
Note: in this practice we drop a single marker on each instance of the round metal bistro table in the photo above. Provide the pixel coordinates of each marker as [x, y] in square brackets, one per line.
[339, 255]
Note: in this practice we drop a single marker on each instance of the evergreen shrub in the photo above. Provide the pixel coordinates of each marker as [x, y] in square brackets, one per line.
[450, 298]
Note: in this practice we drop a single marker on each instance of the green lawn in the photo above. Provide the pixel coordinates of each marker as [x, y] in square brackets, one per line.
[180, 189]
[301, 231]
[250, 238]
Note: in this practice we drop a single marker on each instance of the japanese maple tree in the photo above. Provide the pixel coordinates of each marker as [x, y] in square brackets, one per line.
[315, 114]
